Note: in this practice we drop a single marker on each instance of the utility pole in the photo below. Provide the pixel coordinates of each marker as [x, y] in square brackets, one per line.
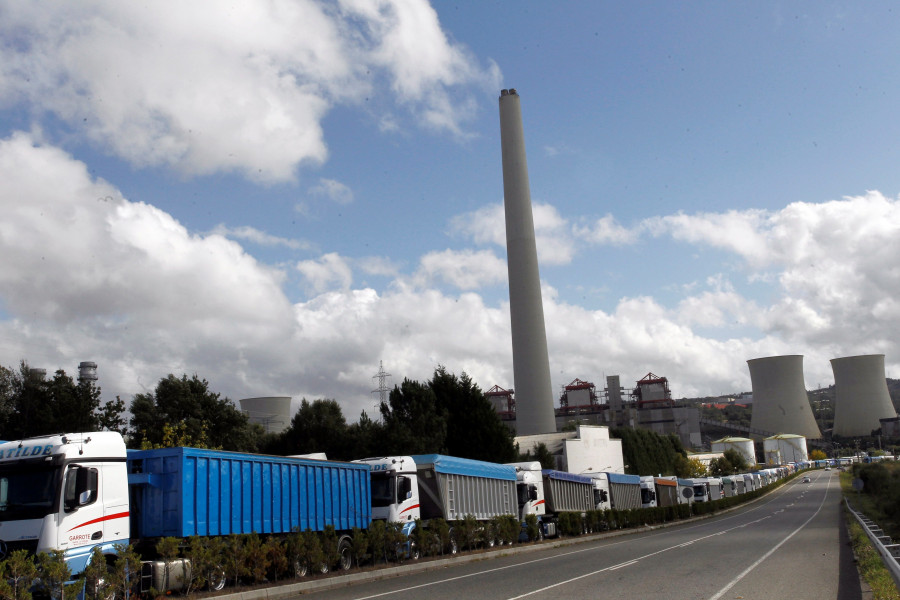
[382, 388]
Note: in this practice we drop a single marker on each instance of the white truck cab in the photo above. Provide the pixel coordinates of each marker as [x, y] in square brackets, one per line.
[601, 490]
[395, 488]
[64, 492]
[530, 489]
[648, 491]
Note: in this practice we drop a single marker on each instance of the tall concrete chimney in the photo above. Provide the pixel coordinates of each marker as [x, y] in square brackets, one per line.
[531, 363]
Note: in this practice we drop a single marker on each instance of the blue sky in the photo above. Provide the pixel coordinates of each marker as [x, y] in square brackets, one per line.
[279, 196]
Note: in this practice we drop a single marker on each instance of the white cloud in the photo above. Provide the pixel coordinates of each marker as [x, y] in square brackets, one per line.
[90, 275]
[326, 272]
[834, 263]
[256, 236]
[424, 66]
[205, 89]
[487, 225]
[606, 230]
[467, 269]
[333, 190]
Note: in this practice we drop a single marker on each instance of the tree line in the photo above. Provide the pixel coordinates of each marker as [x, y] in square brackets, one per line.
[447, 414]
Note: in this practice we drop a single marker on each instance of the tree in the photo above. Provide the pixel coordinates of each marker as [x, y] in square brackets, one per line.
[541, 454]
[689, 467]
[206, 419]
[54, 575]
[413, 421]
[318, 426]
[645, 451]
[18, 574]
[817, 455]
[474, 430]
[364, 438]
[32, 405]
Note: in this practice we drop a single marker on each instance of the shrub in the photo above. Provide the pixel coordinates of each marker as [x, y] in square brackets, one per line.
[441, 530]
[377, 536]
[532, 527]
[276, 555]
[359, 545]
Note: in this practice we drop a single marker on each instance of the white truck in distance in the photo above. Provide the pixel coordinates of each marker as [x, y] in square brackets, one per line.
[430, 486]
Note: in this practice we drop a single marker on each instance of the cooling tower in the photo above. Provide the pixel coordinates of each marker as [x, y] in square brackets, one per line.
[531, 363]
[272, 412]
[780, 404]
[861, 394]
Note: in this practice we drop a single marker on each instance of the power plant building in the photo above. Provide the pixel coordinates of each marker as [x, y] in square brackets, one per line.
[780, 403]
[531, 363]
[272, 412]
[861, 395]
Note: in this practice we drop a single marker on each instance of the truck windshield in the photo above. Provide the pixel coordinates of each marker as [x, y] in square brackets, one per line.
[27, 493]
[383, 489]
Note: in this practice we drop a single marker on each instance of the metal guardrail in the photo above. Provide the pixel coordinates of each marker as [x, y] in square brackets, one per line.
[889, 551]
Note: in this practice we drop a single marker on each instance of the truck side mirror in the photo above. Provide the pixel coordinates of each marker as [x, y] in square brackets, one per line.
[81, 487]
[404, 488]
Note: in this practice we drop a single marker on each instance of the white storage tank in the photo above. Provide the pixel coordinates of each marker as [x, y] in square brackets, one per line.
[780, 402]
[744, 446]
[861, 395]
[785, 448]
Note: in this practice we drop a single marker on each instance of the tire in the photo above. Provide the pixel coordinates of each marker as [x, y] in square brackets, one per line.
[345, 554]
[454, 547]
[414, 553]
[216, 579]
[300, 569]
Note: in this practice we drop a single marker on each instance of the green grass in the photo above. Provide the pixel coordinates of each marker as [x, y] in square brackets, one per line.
[868, 561]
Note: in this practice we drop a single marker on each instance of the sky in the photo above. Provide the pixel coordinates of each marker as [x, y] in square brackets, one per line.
[279, 197]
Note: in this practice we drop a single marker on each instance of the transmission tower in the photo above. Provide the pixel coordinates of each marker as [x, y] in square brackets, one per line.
[382, 389]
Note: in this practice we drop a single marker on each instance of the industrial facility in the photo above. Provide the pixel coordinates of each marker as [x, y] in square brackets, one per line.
[531, 363]
[780, 403]
[272, 412]
[743, 446]
[861, 395]
[649, 405]
[785, 448]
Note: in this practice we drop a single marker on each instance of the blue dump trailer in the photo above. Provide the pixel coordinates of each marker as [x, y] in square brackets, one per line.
[183, 492]
[180, 492]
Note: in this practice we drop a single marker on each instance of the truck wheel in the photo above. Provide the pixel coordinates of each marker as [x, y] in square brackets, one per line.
[454, 547]
[300, 569]
[216, 579]
[345, 551]
[414, 553]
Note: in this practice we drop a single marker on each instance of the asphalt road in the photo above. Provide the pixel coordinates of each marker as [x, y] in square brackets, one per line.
[790, 544]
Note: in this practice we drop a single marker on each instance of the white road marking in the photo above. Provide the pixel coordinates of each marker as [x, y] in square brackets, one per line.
[746, 571]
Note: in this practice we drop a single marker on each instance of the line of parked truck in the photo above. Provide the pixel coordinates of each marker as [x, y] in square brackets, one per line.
[79, 491]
